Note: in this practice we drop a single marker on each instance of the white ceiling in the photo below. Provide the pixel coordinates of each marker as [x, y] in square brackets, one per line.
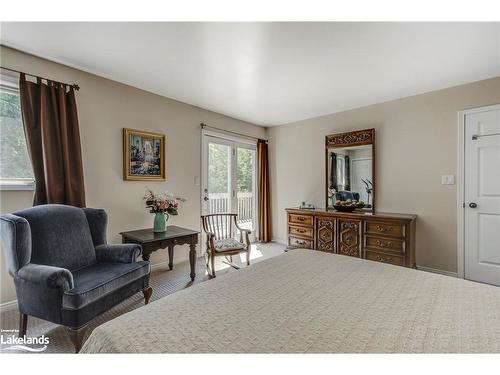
[271, 73]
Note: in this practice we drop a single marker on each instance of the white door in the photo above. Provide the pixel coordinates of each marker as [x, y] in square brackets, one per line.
[229, 180]
[482, 196]
[361, 169]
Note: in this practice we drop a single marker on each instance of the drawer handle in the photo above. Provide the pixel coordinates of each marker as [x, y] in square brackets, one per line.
[300, 230]
[384, 229]
[384, 244]
[300, 242]
[301, 218]
[383, 259]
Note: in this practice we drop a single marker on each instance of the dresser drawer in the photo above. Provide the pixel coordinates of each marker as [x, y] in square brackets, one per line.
[385, 229]
[384, 244]
[300, 242]
[300, 219]
[301, 231]
[384, 258]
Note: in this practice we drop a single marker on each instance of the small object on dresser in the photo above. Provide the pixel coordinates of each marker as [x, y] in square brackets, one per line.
[306, 206]
[345, 206]
[360, 204]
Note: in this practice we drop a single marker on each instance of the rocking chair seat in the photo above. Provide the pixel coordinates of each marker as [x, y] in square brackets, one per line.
[228, 244]
[220, 230]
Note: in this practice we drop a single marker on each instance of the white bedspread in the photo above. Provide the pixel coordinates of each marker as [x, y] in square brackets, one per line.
[311, 302]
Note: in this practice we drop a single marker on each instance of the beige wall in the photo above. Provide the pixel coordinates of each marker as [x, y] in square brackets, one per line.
[105, 107]
[416, 140]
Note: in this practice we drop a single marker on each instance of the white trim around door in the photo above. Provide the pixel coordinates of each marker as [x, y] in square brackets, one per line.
[234, 143]
[461, 183]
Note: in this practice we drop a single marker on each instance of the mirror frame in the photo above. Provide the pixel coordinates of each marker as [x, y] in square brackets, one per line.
[354, 138]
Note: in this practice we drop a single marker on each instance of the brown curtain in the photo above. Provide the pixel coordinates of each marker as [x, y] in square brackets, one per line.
[264, 195]
[347, 168]
[51, 127]
[333, 172]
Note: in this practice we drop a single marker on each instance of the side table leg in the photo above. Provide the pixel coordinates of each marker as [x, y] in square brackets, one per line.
[171, 257]
[145, 256]
[192, 260]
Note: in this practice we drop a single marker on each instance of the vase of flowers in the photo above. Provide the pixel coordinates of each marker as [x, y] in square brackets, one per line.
[162, 205]
[160, 222]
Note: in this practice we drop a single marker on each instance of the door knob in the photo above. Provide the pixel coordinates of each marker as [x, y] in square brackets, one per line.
[205, 199]
[472, 205]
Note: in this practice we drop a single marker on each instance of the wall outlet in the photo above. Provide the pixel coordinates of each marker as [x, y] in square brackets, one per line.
[448, 180]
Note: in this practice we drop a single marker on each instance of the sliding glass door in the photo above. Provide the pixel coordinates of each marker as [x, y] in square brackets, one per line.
[245, 187]
[229, 179]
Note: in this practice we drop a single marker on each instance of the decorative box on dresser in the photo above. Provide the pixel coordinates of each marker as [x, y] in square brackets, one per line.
[382, 237]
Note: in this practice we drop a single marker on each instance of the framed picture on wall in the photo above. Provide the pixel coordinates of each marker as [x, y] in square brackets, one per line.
[143, 155]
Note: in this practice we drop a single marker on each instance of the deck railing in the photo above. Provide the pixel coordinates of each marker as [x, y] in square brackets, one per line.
[219, 203]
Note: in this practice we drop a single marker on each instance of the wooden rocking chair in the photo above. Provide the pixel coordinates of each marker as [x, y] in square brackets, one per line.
[220, 229]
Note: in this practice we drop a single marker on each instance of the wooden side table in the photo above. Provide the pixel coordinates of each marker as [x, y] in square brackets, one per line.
[174, 235]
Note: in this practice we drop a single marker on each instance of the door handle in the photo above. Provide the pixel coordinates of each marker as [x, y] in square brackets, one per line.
[205, 199]
[472, 205]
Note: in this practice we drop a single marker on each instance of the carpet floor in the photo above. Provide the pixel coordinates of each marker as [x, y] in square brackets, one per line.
[163, 281]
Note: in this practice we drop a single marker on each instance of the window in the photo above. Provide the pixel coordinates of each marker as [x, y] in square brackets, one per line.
[16, 172]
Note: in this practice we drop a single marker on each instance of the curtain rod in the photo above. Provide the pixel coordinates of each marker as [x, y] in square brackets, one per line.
[74, 85]
[203, 126]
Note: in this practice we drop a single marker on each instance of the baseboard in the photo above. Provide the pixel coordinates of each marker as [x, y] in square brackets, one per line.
[435, 270]
[7, 306]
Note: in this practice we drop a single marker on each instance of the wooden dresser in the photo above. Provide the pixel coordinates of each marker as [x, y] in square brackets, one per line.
[382, 237]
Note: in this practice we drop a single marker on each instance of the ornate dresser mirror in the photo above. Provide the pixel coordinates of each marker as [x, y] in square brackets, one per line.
[350, 168]
[353, 228]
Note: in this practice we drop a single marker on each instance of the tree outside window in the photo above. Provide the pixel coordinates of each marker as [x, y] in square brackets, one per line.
[14, 160]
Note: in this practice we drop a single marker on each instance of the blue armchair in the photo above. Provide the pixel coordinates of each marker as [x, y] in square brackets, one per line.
[64, 271]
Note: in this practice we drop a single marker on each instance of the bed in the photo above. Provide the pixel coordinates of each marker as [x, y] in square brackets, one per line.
[312, 302]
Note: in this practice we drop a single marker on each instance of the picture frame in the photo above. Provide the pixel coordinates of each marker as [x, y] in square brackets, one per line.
[143, 155]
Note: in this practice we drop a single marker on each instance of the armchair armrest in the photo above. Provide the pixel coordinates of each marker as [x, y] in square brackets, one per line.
[121, 253]
[52, 277]
[246, 231]
[210, 240]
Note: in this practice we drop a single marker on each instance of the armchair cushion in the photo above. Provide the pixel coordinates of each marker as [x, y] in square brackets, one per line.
[48, 276]
[122, 253]
[60, 236]
[228, 244]
[98, 280]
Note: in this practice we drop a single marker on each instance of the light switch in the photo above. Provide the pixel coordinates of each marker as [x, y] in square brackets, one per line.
[197, 181]
[448, 180]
